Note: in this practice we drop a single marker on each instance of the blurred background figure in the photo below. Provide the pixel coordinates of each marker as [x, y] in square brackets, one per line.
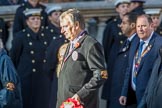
[28, 55]
[3, 31]
[8, 2]
[113, 39]
[10, 88]
[156, 16]
[137, 6]
[19, 19]
[56, 40]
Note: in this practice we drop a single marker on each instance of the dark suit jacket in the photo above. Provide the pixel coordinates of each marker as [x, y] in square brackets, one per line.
[81, 73]
[145, 67]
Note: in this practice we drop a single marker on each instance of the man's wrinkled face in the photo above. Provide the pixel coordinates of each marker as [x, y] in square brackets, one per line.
[143, 28]
[68, 28]
[34, 22]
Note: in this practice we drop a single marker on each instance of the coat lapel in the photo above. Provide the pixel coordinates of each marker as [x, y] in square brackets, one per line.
[68, 54]
[150, 45]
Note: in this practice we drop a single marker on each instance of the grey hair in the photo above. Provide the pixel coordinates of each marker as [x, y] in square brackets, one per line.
[74, 16]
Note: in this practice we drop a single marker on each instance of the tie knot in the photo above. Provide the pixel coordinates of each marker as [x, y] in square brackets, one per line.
[142, 43]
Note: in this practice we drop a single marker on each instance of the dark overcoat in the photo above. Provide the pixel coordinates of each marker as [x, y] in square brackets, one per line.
[118, 73]
[145, 68]
[113, 40]
[81, 73]
[8, 74]
[20, 19]
[56, 40]
[28, 55]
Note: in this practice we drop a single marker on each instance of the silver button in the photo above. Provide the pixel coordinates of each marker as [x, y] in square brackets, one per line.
[42, 18]
[33, 61]
[54, 37]
[44, 61]
[34, 70]
[121, 42]
[45, 42]
[120, 33]
[28, 35]
[51, 30]
[31, 52]
[30, 43]
[42, 34]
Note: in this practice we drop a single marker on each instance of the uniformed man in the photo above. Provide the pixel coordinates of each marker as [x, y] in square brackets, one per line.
[28, 55]
[156, 16]
[19, 19]
[113, 39]
[56, 39]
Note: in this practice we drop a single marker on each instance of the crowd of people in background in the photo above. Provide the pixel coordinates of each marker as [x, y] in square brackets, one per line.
[53, 58]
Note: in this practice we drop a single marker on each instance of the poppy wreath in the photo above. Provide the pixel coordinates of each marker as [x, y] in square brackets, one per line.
[71, 103]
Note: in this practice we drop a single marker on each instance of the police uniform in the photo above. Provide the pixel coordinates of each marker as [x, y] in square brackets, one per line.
[28, 55]
[20, 20]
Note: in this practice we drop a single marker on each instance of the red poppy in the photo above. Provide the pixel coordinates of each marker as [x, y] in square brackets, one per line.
[77, 44]
[71, 103]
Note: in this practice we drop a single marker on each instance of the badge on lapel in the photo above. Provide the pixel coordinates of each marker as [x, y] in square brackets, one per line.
[75, 55]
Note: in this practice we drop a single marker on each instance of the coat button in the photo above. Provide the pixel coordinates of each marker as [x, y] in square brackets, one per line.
[45, 42]
[161, 32]
[33, 61]
[30, 43]
[121, 42]
[120, 33]
[54, 37]
[28, 35]
[44, 61]
[31, 52]
[34, 70]
[42, 34]
[42, 27]
[51, 30]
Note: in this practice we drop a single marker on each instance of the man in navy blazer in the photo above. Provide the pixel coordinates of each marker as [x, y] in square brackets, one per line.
[140, 67]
